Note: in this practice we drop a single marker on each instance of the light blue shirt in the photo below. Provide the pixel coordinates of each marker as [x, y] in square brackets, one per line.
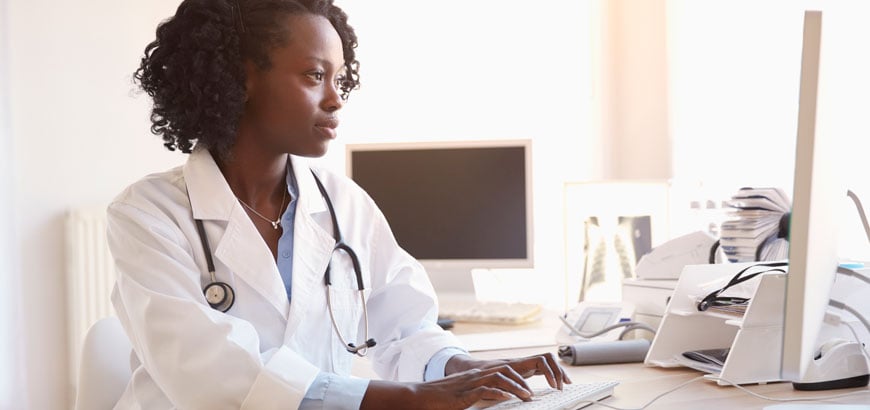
[331, 391]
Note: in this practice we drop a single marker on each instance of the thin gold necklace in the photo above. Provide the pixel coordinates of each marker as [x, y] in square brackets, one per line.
[277, 222]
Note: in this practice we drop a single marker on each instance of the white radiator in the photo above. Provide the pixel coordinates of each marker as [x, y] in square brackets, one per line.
[90, 274]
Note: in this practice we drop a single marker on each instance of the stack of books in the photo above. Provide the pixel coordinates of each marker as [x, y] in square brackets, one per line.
[757, 225]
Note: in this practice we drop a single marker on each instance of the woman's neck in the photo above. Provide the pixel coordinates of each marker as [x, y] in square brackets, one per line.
[255, 178]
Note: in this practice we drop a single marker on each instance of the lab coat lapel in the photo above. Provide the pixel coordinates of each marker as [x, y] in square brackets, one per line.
[240, 248]
[312, 245]
[246, 254]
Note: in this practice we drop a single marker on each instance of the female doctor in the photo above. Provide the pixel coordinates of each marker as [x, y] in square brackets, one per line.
[239, 273]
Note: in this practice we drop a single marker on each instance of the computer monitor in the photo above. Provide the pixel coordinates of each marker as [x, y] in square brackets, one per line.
[453, 205]
[819, 200]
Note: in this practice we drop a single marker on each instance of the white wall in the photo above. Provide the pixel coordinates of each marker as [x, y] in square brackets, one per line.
[735, 68]
[9, 325]
[78, 138]
[844, 106]
[459, 70]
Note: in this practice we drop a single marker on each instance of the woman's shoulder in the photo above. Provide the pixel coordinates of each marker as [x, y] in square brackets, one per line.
[329, 176]
[155, 193]
[338, 182]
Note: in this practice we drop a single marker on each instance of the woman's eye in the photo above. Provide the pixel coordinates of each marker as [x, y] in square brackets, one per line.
[317, 75]
[340, 81]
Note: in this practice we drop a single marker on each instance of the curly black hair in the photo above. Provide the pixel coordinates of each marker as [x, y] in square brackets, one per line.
[194, 69]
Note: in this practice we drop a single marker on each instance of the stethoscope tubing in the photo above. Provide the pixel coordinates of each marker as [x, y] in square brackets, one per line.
[357, 269]
[224, 300]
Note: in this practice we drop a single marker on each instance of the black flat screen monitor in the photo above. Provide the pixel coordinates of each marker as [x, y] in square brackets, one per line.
[454, 206]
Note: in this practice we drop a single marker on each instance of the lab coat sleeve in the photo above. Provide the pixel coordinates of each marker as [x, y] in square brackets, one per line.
[436, 368]
[403, 310]
[199, 357]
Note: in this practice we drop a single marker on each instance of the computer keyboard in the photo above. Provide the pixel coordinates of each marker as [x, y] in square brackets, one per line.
[572, 396]
[491, 312]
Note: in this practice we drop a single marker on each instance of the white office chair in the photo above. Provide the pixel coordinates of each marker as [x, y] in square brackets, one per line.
[104, 370]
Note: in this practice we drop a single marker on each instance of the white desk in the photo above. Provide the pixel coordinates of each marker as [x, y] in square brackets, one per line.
[639, 384]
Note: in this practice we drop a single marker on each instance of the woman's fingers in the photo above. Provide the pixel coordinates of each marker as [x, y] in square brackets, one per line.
[511, 372]
[493, 380]
[484, 393]
[550, 366]
[543, 364]
[544, 368]
[560, 372]
[506, 379]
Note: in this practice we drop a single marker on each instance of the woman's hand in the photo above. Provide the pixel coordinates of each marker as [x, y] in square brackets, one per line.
[544, 364]
[457, 391]
[468, 381]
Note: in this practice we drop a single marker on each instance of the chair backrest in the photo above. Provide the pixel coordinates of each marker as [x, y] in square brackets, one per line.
[104, 369]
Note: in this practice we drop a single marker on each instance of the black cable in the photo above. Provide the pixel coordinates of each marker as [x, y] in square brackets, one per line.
[713, 251]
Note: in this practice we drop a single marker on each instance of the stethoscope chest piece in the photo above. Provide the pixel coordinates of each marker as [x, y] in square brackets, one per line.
[219, 296]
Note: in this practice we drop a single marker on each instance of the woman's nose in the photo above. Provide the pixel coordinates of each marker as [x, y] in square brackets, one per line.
[333, 100]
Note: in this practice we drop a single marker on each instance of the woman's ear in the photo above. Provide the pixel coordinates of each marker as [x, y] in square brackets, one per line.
[251, 76]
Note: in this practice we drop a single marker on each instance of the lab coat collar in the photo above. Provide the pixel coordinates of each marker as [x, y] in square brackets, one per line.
[309, 200]
[210, 196]
[208, 193]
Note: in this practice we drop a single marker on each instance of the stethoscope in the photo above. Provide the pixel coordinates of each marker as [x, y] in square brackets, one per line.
[221, 295]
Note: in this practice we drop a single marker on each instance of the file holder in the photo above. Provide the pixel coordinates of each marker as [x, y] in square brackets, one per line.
[755, 339]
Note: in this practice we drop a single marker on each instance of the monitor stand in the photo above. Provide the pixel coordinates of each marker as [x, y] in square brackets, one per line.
[829, 372]
[839, 365]
[451, 280]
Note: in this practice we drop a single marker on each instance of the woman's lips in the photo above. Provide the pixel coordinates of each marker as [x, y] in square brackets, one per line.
[328, 127]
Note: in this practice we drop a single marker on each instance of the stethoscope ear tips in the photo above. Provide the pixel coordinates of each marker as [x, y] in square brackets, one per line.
[219, 296]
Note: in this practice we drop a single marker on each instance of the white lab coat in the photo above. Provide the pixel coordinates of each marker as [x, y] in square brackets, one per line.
[264, 352]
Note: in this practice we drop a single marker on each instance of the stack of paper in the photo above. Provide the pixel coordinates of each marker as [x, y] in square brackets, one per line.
[753, 223]
[736, 309]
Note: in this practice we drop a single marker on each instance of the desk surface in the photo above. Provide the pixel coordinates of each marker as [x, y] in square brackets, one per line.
[640, 383]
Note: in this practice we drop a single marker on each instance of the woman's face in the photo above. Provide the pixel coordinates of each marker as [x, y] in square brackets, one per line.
[291, 107]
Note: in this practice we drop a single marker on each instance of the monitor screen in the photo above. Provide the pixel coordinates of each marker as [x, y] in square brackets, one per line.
[455, 206]
[818, 198]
